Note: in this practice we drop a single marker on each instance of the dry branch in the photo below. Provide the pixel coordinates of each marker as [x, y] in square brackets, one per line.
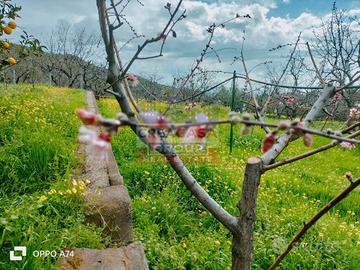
[313, 220]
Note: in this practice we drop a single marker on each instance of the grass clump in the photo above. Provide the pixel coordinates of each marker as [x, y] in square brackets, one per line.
[40, 207]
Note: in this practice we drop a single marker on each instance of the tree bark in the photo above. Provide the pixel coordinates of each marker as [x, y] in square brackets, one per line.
[242, 246]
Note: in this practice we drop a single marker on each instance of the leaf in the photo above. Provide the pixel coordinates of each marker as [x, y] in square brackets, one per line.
[173, 33]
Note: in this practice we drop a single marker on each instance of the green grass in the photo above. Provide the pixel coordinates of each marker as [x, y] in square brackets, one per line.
[40, 207]
[179, 234]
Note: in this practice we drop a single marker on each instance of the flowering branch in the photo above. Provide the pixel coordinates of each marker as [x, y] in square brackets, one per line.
[285, 139]
[159, 127]
[307, 154]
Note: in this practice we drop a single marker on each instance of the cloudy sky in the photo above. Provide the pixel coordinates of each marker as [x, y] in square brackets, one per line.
[273, 22]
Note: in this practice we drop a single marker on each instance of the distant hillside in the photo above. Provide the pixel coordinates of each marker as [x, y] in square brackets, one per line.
[72, 72]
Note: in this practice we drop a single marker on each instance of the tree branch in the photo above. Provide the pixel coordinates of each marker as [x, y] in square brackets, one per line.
[263, 110]
[253, 95]
[314, 64]
[313, 220]
[165, 148]
[307, 154]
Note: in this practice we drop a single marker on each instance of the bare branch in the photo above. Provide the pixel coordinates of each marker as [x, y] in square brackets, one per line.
[257, 108]
[307, 225]
[314, 64]
[281, 76]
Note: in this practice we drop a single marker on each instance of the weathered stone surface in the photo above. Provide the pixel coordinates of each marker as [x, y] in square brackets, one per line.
[130, 257]
[91, 102]
[113, 171]
[110, 207]
[96, 169]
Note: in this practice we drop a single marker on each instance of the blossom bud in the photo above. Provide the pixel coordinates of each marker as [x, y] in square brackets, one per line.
[88, 118]
[268, 142]
[349, 176]
[105, 137]
[283, 125]
[308, 140]
[132, 78]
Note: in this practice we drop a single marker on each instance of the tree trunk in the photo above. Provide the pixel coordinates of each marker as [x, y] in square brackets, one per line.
[242, 246]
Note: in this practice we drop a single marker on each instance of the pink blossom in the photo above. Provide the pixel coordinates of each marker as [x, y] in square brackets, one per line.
[99, 143]
[289, 99]
[88, 118]
[86, 135]
[268, 142]
[105, 137]
[355, 112]
[154, 117]
[133, 79]
[348, 145]
[308, 140]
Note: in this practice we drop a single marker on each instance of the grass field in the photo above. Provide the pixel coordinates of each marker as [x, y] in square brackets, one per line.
[40, 205]
[179, 234]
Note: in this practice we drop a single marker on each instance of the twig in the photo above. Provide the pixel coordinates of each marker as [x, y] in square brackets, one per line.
[281, 76]
[313, 220]
[211, 30]
[350, 83]
[314, 64]
[203, 92]
[152, 40]
[346, 130]
[239, 120]
[253, 95]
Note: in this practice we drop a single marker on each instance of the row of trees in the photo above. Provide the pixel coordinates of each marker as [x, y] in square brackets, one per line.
[69, 61]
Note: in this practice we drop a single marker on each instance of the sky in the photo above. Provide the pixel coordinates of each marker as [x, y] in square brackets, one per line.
[273, 22]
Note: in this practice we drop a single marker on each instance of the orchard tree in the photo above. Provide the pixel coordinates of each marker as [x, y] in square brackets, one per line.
[28, 45]
[9, 13]
[154, 127]
[70, 59]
